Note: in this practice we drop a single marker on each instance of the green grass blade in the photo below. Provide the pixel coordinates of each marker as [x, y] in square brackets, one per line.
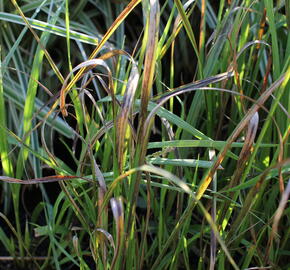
[5, 159]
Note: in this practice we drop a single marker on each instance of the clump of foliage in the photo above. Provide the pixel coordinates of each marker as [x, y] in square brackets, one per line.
[145, 134]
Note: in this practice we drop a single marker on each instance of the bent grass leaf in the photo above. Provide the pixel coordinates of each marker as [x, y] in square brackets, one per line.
[108, 236]
[87, 64]
[118, 213]
[105, 38]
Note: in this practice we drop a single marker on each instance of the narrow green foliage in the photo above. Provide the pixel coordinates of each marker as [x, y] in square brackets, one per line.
[5, 159]
[165, 145]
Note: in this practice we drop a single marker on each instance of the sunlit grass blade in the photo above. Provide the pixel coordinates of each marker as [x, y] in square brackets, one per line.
[53, 29]
[31, 93]
[181, 162]
[213, 240]
[5, 159]
[201, 143]
[41, 110]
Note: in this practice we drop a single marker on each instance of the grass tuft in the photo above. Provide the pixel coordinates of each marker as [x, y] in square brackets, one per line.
[144, 134]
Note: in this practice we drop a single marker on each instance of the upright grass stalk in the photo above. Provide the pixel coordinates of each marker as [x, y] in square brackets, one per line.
[190, 34]
[31, 92]
[74, 95]
[142, 135]
[4, 150]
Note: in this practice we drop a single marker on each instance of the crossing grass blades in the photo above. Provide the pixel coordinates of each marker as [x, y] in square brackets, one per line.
[151, 134]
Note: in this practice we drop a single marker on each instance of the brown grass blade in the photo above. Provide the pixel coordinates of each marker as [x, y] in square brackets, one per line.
[277, 218]
[123, 118]
[247, 148]
[242, 161]
[150, 57]
[152, 31]
[282, 205]
[118, 213]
